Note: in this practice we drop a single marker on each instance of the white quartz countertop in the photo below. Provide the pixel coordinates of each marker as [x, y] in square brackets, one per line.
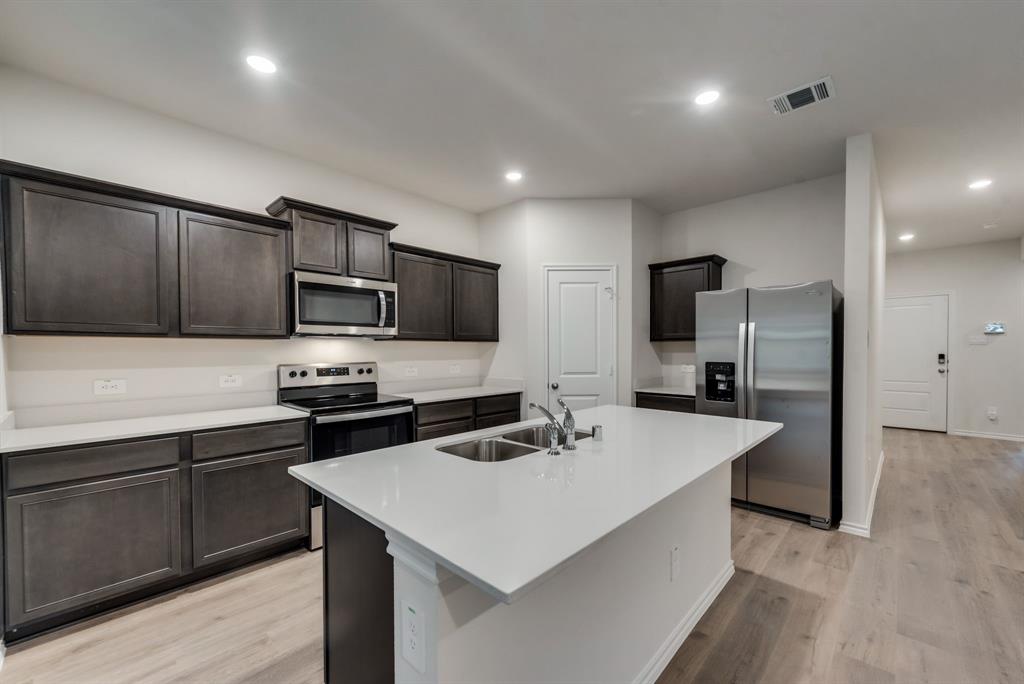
[455, 393]
[24, 439]
[507, 526]
[674, 390]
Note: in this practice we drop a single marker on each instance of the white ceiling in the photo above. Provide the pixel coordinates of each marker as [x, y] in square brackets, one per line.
[588, 99]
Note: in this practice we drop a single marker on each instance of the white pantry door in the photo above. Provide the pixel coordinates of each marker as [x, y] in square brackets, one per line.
[581, 337]
[915, 366]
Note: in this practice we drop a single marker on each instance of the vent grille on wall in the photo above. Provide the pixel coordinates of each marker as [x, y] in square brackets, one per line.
[804, 96]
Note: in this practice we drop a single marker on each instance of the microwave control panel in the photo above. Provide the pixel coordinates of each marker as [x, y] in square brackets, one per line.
[720, 381]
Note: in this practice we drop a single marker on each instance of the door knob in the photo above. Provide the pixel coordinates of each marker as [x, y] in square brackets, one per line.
[554, 385]
[942, 370]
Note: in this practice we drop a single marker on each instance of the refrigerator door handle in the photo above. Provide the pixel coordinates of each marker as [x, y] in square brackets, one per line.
[741, 373]
[749, 373]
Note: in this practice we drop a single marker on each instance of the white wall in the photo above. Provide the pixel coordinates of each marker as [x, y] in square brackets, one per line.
[864, 290]
[985, 283]
[531, 234]
[645, 248]
[56, 126]
[788, 235]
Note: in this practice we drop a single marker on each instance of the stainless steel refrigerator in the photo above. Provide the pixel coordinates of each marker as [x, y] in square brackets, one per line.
[775, 353]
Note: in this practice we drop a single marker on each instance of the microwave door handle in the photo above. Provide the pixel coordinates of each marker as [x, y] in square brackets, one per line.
[383, 308]
[362, 415]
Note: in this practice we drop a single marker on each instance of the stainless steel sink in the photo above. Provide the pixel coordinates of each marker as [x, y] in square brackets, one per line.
[487, 450]
[537, 436]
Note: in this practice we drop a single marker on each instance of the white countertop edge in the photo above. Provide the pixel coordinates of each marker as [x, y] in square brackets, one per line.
[73, 434]
[507, 595]
[673, 390]
[456, 393]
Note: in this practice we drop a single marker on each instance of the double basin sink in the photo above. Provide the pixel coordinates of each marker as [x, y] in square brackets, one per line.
[527, 440]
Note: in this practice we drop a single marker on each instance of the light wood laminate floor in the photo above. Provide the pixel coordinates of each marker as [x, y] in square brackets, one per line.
[937, 595]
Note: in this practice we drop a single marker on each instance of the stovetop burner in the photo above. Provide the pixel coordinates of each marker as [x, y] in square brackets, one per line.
[332, 388]
[351, 402]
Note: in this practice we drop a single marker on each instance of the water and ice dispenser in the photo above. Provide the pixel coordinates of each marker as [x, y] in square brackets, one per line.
[720, 381]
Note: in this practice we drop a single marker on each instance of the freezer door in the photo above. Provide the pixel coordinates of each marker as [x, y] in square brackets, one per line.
[789, 350]
[721, 349]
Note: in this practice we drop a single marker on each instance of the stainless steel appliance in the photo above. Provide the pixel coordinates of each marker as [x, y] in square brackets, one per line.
[347, 416]
[333, 305]
[775, 353]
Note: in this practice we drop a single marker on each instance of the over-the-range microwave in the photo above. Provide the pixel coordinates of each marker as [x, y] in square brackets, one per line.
[335, 305]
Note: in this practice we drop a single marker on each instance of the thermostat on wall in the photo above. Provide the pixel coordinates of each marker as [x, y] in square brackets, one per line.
[995, 329]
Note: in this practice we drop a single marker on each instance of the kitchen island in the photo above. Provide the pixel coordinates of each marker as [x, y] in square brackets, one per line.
[592, 565]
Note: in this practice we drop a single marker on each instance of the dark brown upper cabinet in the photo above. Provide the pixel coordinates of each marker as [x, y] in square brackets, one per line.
[334, 241]
[476, 303]
[425, 297]
[233, 277]
[85, 256]
[84, 262]
[445, 296]
[674, 287]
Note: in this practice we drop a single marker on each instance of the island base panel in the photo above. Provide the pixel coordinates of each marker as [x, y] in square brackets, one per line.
[358, 600]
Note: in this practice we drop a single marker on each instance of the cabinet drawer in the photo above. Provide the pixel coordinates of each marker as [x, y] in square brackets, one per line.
[73, 546]
[500, 404]
[33, 470]
[244, 504]
[666, 402]
[443, 429]
[444, 411]
[242, 440]
[496, 419]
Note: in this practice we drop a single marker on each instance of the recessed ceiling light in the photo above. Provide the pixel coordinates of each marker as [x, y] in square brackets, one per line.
[513, 176]
[980, 183]
[706, 97]
[906, 237]
[261, 64]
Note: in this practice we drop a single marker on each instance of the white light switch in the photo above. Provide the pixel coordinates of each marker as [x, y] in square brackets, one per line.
[233, 380]
[413, 637]
[109, 386]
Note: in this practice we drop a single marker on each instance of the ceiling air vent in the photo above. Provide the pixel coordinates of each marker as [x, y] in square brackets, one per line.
[804, 96]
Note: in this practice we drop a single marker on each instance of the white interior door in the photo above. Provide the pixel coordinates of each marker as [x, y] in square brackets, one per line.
[581, 337]
[915, 362]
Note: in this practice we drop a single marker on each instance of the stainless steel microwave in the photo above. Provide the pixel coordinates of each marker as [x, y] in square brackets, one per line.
[334, 305]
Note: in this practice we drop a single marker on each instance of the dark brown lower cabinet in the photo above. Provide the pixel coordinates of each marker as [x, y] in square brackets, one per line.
[247, 503]
[444, 418]
[666, 402]
[71, 546]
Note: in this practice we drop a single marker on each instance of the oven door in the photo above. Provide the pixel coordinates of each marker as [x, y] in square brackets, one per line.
[332, 305]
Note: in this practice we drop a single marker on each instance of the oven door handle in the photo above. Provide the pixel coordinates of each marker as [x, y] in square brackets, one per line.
[362, 415]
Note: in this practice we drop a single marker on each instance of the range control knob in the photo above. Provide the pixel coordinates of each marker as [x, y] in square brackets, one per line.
[361, 371]
[369, 370]
[303, 374]
[292, 374]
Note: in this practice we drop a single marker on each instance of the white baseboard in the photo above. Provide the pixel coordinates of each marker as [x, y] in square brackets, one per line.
[988, 435]
[664, 654]
[859, 529]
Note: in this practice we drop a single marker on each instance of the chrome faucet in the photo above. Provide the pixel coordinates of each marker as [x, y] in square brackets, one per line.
[567, 431]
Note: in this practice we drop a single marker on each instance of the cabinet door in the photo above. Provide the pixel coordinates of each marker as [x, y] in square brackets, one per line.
[244, 504]
[82, 262]
[318, 243]
[369, 252]
[424, 297]
[232, 277]
[673, 301]
[476, 303]
[72, 546]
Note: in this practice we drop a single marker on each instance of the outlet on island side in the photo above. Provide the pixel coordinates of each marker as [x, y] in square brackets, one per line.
[673, 564]
[992, 414]
[413, 637]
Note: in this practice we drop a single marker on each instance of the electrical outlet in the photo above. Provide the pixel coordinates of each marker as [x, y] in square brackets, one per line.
[455, 369]
[411, 371]
[413, 637]
[233, 380]
[993, 414]
[674, 564]
[109, 386]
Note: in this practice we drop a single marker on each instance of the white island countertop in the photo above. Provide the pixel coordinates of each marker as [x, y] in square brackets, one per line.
[506, 526]
[455, 393]
[52, 436]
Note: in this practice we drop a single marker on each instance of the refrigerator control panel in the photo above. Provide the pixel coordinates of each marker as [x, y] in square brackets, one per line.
[720, 381]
